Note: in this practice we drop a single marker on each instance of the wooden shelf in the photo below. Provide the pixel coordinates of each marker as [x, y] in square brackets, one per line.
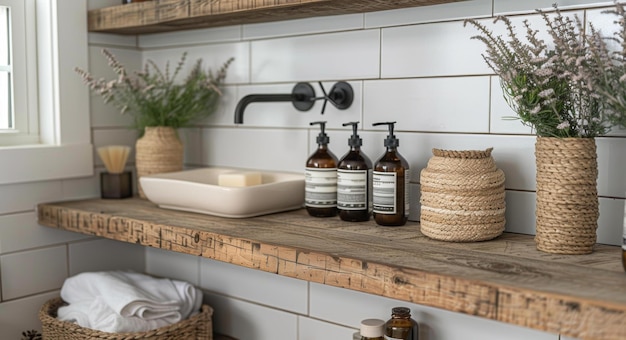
[174, 15]
[506, 279]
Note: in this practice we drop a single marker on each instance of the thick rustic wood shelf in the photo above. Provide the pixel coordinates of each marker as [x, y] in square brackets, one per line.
[506, 279]
[174, 15]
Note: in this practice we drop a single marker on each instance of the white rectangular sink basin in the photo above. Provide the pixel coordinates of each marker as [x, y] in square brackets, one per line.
[198, 191]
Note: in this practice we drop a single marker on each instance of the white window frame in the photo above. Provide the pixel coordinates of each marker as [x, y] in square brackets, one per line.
[64, 149]
[25, 127]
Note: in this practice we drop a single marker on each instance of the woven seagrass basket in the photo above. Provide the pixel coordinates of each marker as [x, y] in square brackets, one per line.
[197, 327]
[462, 196]
[159, 150]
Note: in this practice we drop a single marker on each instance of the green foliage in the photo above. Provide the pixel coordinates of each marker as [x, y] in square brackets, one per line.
[154, 98]
[545, 84]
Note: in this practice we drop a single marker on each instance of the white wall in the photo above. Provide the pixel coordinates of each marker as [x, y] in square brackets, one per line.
[414, 66]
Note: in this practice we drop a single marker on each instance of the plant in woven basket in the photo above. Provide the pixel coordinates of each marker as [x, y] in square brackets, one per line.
[154, 97]
[551, 87]
[543, 81]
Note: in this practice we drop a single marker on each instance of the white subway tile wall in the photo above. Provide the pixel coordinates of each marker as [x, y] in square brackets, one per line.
[330, 56]
[23, 197]
[177, 266]
[410, 103]
[20, 231]
[32, 271]
[312, 329]
[245, 320]
[415, 66]
[102, 255]
[435, 49]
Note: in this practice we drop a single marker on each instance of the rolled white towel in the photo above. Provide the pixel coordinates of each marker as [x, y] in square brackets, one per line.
[131, 296]
[77, 312]
[98, 315]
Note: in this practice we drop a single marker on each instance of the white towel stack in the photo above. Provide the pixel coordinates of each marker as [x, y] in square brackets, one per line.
[119, 302]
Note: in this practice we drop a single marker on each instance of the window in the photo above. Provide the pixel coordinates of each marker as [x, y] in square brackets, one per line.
[52, 141]
[18, 115]
[6, 91]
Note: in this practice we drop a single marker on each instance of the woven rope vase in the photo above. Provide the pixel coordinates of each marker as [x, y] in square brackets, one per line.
[567, 195]
[159, 150]
[462, 196]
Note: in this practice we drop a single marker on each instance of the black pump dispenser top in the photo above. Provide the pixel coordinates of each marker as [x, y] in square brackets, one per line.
[322, 138]
[354, 140]
[391, 141]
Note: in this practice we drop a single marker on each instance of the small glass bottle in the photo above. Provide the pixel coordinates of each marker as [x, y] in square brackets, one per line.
[390, 182]
[401, 326]
[320, 195]
[372, 329]
[354, 181]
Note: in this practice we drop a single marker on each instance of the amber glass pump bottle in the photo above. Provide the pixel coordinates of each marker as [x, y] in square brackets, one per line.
[354, 181]
[401, 326]
[320, 197]
[390, 181]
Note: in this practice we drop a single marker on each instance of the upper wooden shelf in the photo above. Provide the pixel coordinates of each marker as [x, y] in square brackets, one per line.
[505, 279]
[174, 15]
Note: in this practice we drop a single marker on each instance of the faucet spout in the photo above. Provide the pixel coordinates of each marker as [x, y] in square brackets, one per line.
[258, 98]
[302, 97]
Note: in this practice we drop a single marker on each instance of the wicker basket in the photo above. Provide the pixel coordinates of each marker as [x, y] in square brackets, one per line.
[198, 327]
[462, 196]
[159, 150]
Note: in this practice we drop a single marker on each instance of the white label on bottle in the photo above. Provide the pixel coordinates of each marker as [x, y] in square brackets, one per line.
[352, 186]
[320, 187]
[390, 338]
[407, 179]
[384, 192]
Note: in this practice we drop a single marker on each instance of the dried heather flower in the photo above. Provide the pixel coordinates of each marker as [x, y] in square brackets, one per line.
[563, 125]
[547, 86]
[546, 93]
[607, 67]
[154, 98]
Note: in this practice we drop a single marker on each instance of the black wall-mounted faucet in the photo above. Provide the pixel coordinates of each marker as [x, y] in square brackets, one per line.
[302, 96]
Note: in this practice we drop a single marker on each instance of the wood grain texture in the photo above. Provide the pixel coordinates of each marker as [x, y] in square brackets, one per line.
[505, 279]
[173, 15]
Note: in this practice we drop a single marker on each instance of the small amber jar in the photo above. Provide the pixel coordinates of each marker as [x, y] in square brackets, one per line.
[401, 326]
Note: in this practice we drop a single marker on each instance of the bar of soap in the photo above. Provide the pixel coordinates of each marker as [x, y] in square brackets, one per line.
[239, 179]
